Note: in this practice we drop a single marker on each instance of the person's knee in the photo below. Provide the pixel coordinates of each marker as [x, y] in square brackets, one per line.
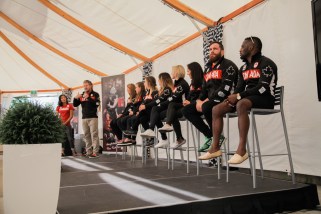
[217, 111]
[143, 119]
[243, 106]
[171, 105]
[186, 111]
[207, 109]
[155, 108]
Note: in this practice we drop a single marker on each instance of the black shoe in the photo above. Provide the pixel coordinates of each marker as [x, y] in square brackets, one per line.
[130, 132]
[126, 132]
[125, 143]
[133, 142]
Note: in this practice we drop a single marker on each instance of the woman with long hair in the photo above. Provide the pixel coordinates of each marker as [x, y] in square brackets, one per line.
[174, 111]
[65, 111]
[165, 91]
[124, 121]
[115, 123]
[142, 116]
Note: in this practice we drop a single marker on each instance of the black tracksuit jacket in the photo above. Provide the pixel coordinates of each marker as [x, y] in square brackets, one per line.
[89, 105]
[219, 80]
[258, 77]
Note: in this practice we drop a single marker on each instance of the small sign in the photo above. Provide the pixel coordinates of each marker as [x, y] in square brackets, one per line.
[33, 93]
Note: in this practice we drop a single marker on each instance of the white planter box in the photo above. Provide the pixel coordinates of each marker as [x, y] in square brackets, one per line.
[31, 178]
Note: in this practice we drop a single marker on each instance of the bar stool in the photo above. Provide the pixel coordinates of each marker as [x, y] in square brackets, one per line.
[144, 147]
[218, 159]
[253, 135]
[124, 147]
[187, 148]
[167, 149]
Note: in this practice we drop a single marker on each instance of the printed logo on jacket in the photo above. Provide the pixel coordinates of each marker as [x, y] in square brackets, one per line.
[214, 74]
[251, 74]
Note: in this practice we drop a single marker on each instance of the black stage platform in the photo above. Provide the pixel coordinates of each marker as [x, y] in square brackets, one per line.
[112, 185]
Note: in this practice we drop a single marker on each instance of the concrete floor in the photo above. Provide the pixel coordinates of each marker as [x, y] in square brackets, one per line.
[315, 211]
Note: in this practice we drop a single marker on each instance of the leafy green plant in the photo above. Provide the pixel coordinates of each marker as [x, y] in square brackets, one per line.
[31, 123]
[19, 99]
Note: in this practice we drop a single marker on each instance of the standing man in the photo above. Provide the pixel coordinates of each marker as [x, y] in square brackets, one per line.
[89, 101]
[255, 89]
[219, 79]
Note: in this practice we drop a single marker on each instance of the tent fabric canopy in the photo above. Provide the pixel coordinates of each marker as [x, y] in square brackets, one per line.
[77, 40]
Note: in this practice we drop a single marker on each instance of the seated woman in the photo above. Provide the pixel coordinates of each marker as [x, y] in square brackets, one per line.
[174, 111]
[114, 123]
[181, 89]
[166, 86]
[125, 121]
[151, 94]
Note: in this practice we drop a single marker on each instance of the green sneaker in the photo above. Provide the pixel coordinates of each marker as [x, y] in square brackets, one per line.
[222, 140]
[206, 145]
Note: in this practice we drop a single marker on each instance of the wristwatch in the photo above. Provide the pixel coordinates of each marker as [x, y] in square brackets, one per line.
[238, 96]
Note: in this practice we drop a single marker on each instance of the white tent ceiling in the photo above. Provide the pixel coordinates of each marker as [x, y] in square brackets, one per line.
[106, 37]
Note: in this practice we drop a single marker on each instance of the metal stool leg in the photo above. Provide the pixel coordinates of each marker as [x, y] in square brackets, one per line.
[168, 157]
[288, 146]
[135, 152]
[187, 141]
[195, 148]
[225, 154]
[145, 156]
[143, 149]
[249, 152]
[116, 150]
[228, 147]
[198, 143]
[124, 153]
[258, 147]
[182, 156]
[251, 135]
[156, 156]
[219, 160]
[173, 159]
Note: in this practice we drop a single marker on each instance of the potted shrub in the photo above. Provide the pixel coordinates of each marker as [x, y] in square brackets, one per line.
[31, 135]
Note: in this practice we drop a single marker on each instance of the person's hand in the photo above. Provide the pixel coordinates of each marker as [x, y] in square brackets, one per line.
[78, 96]
[131, 112]
[86, 95]
[232, 99]
[137, 113]
[118, 116]
[186, 102]
[142, 107]
[199, 104]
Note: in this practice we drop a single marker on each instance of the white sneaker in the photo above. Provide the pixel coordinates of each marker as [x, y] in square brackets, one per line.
[162, 143]
[148, 133]
[166, 128]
